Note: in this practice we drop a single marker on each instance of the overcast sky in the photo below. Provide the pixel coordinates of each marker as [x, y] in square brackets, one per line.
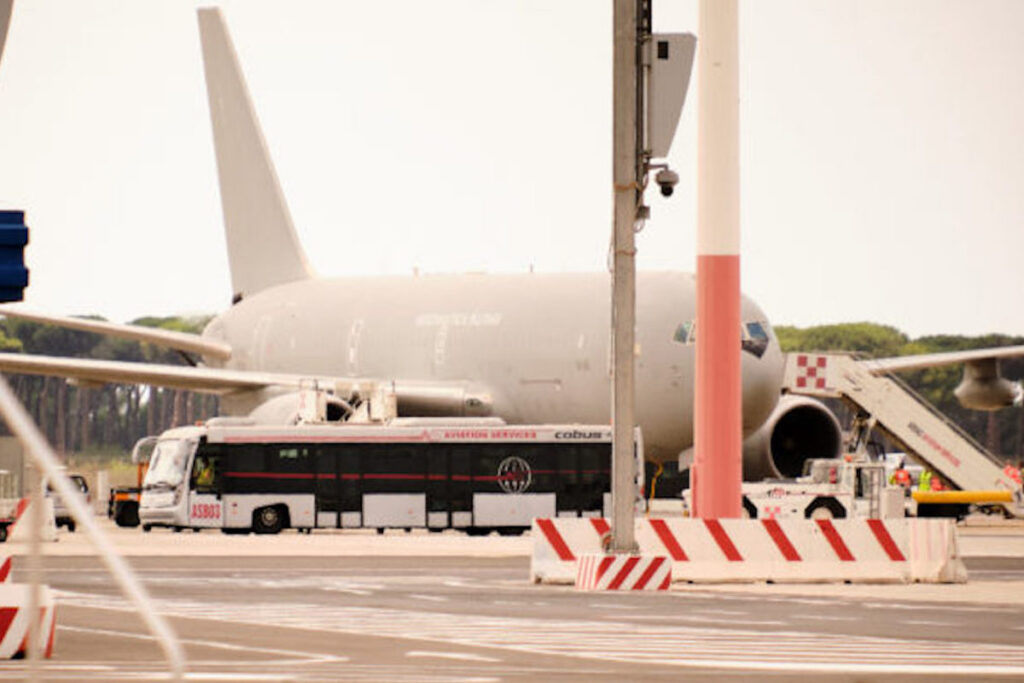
[882, 149]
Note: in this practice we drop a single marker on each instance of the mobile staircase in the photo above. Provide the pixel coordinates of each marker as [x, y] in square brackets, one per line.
[886, 403]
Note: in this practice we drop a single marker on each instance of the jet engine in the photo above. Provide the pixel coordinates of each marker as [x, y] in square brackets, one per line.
[798, 429]
[983, 388]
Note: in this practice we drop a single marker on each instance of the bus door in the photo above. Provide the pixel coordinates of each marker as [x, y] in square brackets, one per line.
[205, 504]
[328, 493]
[350, 486]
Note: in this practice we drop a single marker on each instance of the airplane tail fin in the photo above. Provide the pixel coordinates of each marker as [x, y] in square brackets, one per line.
[263, 248]
[6, 6]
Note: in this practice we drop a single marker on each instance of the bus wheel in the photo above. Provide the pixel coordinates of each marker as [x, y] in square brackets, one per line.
[380, 531]
[477, 531]
[510, 531]
[147, 528]
[267, 520]
[749, 509]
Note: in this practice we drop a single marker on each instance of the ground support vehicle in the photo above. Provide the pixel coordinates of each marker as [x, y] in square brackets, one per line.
[830, 488]
[61, 514]
[123, 501]
[408, 473]
[884, 403]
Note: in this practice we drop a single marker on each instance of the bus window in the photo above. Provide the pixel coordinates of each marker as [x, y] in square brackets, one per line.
[395, 468]
[294, 465]
[290, 458]
[595, 475]
[207, 469]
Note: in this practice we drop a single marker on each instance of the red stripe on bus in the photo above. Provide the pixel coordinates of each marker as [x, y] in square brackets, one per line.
[781, 541]
[623, 573]
[269, 475]
[600, 525]
[668, 540]
[646, 576]
[555, 539]
[835, 540]
[723, 540]
[882, 534]
[404, 477]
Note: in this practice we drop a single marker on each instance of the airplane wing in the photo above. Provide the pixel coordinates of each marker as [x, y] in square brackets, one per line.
[930, 360]
[423, 398]
[179, 341]
[206, 380]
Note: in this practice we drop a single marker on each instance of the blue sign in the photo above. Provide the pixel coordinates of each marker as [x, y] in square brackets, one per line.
[13, 238]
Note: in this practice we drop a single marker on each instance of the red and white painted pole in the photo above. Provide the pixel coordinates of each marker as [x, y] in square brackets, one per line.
[718, 422]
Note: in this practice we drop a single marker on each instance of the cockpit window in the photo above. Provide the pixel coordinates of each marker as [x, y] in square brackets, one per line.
[754, 336]
[756, 331]
[683, 333]
[755, 339]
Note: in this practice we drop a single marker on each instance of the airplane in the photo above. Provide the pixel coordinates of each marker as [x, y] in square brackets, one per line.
[529, 348]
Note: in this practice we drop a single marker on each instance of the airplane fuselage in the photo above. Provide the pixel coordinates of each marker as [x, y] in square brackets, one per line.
[537, 344]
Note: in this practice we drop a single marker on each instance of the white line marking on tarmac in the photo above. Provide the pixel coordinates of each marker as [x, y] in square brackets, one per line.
[693, 619]
[697, 646]
[431, 598]
[722, 612]
[465, 656]
[349, 591]
[925, 622]
[305, 657]
[825, 617]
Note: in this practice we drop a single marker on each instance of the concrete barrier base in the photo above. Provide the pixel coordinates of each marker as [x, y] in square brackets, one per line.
[623, 573]
[744, 550]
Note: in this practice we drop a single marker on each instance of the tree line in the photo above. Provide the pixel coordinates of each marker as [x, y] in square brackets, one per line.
[1001, 432]
[80, 417]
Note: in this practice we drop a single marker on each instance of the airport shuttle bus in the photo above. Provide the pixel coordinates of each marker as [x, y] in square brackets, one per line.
[408, 474]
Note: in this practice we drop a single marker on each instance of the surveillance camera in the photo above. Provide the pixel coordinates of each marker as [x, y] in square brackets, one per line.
[667, 180]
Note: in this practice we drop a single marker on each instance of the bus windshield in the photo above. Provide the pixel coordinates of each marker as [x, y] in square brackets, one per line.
[167, 464]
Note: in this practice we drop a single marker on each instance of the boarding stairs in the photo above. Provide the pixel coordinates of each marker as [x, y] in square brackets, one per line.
[889, 405]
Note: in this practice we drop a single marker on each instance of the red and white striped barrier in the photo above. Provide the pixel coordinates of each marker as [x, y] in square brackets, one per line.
[15, 618]
[623, 573]
[5, 568]
[710, 550]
